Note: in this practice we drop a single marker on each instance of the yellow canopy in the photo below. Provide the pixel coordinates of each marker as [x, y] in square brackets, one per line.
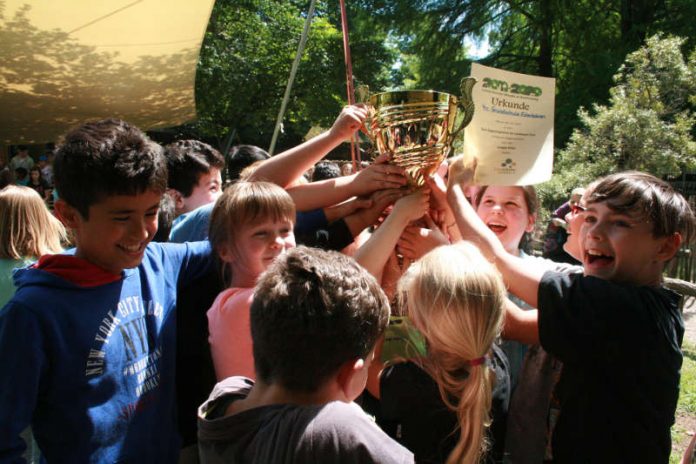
[66, 61]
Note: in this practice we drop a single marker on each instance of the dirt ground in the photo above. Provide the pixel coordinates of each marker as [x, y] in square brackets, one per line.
[685, 424]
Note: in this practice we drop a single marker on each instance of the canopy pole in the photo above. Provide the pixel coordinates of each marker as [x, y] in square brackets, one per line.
[293, 72]
[354, 143]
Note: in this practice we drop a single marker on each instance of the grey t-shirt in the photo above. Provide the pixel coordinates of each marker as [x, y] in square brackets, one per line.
[335, 432]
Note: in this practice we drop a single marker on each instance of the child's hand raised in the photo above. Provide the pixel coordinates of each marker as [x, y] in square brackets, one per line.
[417, 241]
[346, 208]
[413, 206]
[349, 121]
[377, 177]
[379, 201]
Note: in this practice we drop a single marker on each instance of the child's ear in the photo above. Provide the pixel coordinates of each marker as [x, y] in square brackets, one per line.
[351, 378]
[67, 214]
[669, 247]
[178, 199]
[226, 254]
[530, 223]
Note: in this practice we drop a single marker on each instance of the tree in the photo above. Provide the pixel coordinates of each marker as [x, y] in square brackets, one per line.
[648, 124]
[580, 43]
[245, 63]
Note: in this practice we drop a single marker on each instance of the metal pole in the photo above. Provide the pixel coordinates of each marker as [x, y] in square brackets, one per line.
[354, 146]
[291, 79]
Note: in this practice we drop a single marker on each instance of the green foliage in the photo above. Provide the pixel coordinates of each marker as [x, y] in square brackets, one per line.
[648, 124]
[245, 63]
[580, 43]
[686, 407]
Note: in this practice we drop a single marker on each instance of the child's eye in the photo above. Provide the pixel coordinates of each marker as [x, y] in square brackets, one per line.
[622, 223]
[121, 218]
[590, 219]
[488, 202]
[511, 204]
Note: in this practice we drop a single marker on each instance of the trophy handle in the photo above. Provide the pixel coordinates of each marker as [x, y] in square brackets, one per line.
[362, 93]
[465, 104]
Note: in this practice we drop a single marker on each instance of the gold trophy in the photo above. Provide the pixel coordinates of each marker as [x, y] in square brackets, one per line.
[416, 128]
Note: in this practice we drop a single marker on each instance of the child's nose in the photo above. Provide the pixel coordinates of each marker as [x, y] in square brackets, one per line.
[139, 230]
[277, 240]
[595, 229]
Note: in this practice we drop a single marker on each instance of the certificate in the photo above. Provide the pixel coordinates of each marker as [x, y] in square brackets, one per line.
[511, 133]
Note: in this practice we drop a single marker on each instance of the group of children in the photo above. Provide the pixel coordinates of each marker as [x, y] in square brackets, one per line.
[101, 344]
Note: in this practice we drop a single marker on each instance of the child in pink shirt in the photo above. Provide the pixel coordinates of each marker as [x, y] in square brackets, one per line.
[251, 224]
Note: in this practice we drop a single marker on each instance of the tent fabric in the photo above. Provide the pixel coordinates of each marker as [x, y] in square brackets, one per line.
[68, 61]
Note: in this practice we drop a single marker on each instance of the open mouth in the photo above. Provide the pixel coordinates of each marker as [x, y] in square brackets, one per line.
[598, 258]
[497, 227]
[132, 249]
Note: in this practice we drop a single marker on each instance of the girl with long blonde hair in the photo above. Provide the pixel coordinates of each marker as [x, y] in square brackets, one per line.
[28, 230]
[455, 298]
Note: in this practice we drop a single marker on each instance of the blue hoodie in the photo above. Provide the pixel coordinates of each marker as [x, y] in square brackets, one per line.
[87, 357]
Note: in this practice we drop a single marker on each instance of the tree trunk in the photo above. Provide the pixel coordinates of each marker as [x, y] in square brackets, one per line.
[636, 17]
[546, 39]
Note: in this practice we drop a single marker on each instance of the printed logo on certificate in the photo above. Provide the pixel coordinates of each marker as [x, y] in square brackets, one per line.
[512, 130]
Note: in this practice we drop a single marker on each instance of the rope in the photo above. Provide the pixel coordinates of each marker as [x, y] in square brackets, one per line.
[293, 72]
[354, 146]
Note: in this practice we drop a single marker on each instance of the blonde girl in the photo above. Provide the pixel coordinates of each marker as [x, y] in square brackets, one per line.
[251, 224]
[27, 231]
[455, 298]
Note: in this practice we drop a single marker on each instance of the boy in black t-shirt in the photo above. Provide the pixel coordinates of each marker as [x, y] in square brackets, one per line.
[616, 329]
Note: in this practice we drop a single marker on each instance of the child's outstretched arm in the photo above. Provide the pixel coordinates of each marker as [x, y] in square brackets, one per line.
[521, 325]
[373, 255]
[329, 192]
[521, 278]
[284, 168]
[363, 218]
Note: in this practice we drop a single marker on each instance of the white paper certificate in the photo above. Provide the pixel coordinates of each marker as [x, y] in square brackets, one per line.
[511, 133]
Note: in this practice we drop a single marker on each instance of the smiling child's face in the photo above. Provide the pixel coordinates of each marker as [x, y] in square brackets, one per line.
[504, 211]
[207, 190]
[118, 229]
[254, 249]
[620, 247]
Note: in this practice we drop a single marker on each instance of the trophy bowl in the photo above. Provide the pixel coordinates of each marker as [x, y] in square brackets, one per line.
[416, 128]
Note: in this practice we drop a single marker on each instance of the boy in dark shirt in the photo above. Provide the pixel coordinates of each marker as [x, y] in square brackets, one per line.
[315, 319]
[616, 329]
[87, 343]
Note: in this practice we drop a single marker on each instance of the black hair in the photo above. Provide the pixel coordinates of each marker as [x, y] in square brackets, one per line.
[21, 173]
[241, 156]
[104, 158]
[313, 311]
[325, 170]
[187, 161]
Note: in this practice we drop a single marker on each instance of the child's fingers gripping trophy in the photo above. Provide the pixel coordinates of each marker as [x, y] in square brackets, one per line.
[377, 177]
[414, 205]
[349, 120]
